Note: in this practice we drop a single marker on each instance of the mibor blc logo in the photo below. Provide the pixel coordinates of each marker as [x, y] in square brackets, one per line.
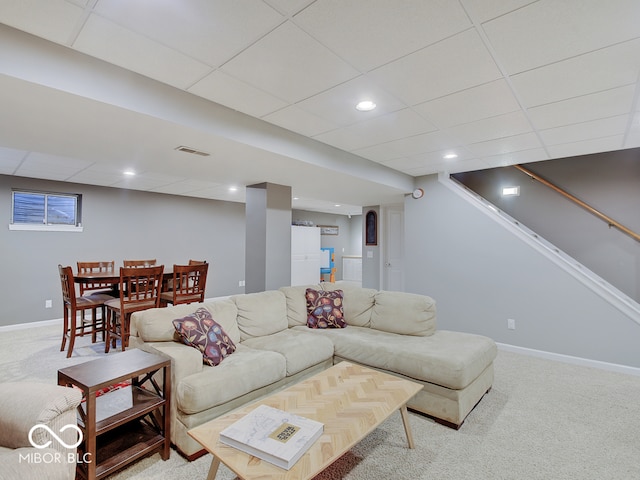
[54, 457]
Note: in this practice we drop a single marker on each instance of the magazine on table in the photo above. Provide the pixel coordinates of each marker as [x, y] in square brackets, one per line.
[273, 435]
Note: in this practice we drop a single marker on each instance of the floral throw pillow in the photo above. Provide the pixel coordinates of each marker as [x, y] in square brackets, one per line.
[324, 309]
[202, 332]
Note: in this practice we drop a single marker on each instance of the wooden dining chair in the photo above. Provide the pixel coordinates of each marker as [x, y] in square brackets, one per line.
[139, 263]
[104, 291]
[189, 284]
[75, 324]
[139, 290]
[97, 286]
[168, 283]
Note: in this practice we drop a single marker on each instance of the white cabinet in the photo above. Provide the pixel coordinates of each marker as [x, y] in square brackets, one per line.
[305, 255]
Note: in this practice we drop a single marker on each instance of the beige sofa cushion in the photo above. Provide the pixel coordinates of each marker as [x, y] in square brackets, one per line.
[300, 349]
[260, 314]
[155, 324]
[243, 371]
[449, 359]
[357, 303]
[404, 313]
[297, 303]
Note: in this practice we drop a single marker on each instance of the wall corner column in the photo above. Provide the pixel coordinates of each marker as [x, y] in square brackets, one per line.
[268, 237]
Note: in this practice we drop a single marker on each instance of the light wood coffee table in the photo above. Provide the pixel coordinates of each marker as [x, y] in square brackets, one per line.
[350, 400]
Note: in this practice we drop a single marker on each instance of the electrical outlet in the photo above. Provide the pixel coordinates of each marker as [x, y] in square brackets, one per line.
[511, 324]
[241, 283]
[48, 304]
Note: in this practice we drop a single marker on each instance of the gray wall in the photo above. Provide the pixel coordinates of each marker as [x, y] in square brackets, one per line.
[118, 224]
[609, 182]
[268, 237]
[371, 254]
[480, 275]
[349, 238]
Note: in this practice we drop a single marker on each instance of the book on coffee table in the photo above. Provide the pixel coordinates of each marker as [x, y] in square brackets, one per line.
[273, 435]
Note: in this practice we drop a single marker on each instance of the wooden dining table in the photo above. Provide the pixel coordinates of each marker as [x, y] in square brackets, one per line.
[113, 277]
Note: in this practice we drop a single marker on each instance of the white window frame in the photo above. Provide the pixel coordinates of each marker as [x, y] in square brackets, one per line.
[49, 227]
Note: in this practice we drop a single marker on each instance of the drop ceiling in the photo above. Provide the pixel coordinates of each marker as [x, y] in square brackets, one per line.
[90, 88]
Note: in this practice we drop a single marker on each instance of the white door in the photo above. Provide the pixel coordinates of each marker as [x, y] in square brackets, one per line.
[393, 262]
[305, 255]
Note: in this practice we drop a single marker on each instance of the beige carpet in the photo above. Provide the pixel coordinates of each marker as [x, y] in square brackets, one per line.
[541, 420]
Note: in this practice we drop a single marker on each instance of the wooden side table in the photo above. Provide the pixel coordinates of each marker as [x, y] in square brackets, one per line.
[113, 442]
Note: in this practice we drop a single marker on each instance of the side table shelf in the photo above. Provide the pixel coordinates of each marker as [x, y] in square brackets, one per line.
[124, 437]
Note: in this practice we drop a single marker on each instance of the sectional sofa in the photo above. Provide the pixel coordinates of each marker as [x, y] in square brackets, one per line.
[272, 346]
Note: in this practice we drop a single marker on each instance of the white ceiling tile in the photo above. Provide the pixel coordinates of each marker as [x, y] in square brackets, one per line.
[550, 30]
[358, 30]
[209, 31]
[577, 132]
[27, 172]
[338, 103]
[483, 10]
[96, 178]
[45, 162]
[449, 167]
[592, 72]
[438, 157]
[406, 163]
[484, 101]
[378, 153]
[463, 166]
[344, 138]
[500, 126]
[233, 93]
[55, 20]
[633, 136]
[289, 7]
[516, 143]
[104, 39]
[454, 64]
[604, 144]
[514, 158]
[140, 182]
[10, 159]
[181, 187]
[297, 120]
[423, 143]
[380, 129]
[290, 64]
[588, 107]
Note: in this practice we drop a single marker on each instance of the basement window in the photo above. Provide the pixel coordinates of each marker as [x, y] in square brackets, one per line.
[45, 211]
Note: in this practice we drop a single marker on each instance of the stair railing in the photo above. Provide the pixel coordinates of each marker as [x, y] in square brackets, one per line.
[610, 221]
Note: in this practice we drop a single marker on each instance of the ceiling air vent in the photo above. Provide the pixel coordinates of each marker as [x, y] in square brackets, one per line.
[192, 150]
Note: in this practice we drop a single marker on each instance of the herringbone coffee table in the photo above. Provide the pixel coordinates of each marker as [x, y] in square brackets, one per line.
[350, 400]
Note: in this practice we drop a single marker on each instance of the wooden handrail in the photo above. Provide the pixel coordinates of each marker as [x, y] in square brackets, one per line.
[610, 221]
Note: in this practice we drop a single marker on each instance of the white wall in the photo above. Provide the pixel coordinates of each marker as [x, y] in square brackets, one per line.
[480, 275]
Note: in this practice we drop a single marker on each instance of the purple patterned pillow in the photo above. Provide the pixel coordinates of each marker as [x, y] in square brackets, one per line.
[324, 309]
[202, 332]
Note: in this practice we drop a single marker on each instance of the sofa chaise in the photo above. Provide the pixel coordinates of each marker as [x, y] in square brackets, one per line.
[393, 332]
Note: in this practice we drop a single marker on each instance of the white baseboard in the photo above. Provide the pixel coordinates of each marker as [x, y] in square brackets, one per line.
[58, 321]
[22, 326]
[558, 357]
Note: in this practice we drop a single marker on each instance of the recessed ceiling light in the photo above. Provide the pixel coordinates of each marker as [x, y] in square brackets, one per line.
[337, 205]
[233, 189]
[365, 106]
[449, 156]
[129, 172]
